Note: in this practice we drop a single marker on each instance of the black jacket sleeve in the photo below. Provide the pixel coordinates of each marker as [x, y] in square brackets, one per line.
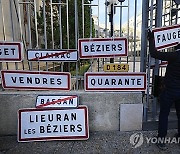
[166, 56]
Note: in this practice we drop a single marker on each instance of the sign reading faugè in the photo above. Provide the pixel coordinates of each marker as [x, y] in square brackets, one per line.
[53, 124]
[35, 80]
[115, 82]
[166, 37]
[11, 51]
[105, 47]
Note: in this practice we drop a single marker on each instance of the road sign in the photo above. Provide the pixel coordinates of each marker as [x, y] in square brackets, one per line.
[115, 82]
[166, 37]
[60, 101]
[11, 51]
[53, 124]
[103, 47]
[116, 67]
[52, 55]
[30, 80]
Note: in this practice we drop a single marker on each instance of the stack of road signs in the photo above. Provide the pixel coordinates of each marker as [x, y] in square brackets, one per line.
[54, 118]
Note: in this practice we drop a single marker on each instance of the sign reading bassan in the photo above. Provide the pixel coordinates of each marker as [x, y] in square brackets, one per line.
[35, 80]
[65, 101]
[115, 82]
[53, 124]
[107, 47]
[166, 37]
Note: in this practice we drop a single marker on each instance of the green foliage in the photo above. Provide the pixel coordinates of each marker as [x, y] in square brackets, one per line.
[63, 18]
[82, 70]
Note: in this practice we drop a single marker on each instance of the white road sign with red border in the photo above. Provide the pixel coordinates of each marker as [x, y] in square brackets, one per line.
[29, 80]
[11, 51]
[53, 124]
[102, 47]
[115, 82]
[52, 55]
[166, 37]
[60, 101]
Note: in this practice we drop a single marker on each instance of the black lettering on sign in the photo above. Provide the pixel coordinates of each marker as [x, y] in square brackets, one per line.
[93, 82]
[71, 101]
[108, 67]
[6, 51]
[48, 128]
[21, 79]
[65, 128]
[42, 101]
[55, 129]
[14, 79]
[92, 48]
[42, 130]
[12, 49]
[120, 82]
[42, 118]
[79, 126]
[50, 117]
[86, 49]
[72, 128]
[98, 48]
[66, 117]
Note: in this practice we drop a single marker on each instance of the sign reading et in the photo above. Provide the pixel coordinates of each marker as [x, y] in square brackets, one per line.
[115, 82]
[11, 51]
[106, 47]
[35, 80]
[166, 37]
[53, 124]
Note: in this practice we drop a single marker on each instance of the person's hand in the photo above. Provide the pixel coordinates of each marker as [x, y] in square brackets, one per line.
[150, 35]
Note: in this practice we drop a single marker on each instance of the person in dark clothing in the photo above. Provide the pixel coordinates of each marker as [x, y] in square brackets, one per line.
[171, 91]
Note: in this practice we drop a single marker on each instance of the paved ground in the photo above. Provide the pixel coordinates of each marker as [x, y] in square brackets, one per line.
[99, 142]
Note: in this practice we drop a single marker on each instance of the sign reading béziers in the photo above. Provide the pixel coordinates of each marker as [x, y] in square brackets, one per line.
[52, 55]
[115, 82]
[63, 101]
[166, 37]
[105, 47]
[35, 80]
[53, 124]
[11, 51]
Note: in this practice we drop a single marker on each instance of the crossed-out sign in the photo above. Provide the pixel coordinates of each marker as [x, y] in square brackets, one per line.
[57, 101]
[103, 47]
[52, 55]
[166, 37]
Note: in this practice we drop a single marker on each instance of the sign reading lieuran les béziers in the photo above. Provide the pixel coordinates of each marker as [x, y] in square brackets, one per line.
[53, 124]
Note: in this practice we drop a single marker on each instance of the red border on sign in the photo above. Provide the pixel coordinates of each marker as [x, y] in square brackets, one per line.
[114, 89]
[166, 28]
[19, 50]
[59, 96]
[56, 54]
[53, 138]
[167, 46]
[99, 39]
[35, 88]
